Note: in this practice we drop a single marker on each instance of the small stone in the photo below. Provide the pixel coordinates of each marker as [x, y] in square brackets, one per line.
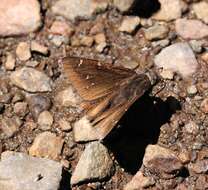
[161, 43]
[38, 104]
[21, 109]
[10, 126]
[18, 97]
[191, 128]
[200, 167]
[87, 41]
[169, 10]
[123, 5]
[162, 161]
[84, 131]
[192, 90]
[100, 38]
[28, 173]
[191, 29]
[31, 80]
[72, 9]
[96, 162]
[201, 10]
[204, 105]
[167, 74]
[129, 24]
[178, 57]
[65, 125]
[47, 145]
[139, 181]
[205, 57]
[10, 62]
[100, 47]
[129, 64]
[58, 40]
[19, 17]
[184, 156]
[45, 120]
[61, 28]
[196, 45]
[32, 63]
[23, 51]
[67, 98]
[156, 32]
[36, 47]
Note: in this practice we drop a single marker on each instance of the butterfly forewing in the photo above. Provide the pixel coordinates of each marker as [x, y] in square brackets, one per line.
[92, 79]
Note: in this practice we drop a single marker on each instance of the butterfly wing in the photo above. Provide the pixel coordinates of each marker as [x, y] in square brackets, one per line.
[93, 80]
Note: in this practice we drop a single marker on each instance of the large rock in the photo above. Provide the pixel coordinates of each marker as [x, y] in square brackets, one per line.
[178, 57]
[72, 9]
[191, 29]
[19, 171]
[169, 10]
[31, 80]
[19, 17]
[94, 164]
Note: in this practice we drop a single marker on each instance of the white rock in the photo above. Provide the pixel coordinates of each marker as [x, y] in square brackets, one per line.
[31, 80]
[94, 164]
[178, 57]
[19, 17]
[18, 171]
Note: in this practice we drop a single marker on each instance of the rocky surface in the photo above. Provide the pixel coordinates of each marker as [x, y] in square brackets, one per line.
[20, 171]
[159, 143]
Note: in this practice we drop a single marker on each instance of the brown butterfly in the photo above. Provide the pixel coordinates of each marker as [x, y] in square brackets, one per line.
[107, 93]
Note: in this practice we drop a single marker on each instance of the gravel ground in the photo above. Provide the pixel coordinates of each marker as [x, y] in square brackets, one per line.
[161, 141]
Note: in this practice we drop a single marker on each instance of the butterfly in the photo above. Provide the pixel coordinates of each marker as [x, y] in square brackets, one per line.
[107, 92]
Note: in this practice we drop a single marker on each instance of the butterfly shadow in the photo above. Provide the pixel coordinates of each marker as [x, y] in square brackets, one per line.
[139, 127]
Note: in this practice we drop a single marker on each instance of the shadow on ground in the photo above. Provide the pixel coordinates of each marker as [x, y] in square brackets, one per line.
[140, 126]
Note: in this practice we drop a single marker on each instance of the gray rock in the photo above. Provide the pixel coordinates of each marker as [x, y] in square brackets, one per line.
[178, 57]
[95, 164]
[191, 29]
[156, 32]
[19, 17]
[123, 5]
[38, 104]
[72, 9]
[31, 80]
[18, 171]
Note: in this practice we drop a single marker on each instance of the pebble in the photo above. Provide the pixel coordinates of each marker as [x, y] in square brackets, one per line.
[23, 51]
[31, 80]
[129, 24]
[61, 28]
[58, 40]
[47, 145]
[45, 120]
[100, 38]
[178, 57]
[21, 109]
[191, 128]
[192, 90]
[167, 74]
[205, 57]
[94, 164]
[32, 63]
[65, 125]
[169, 10]
[200, 167]
[201, 10]
[162, 161]
[38, 104]
[196, 45]
[100, 47]
[204, 105]
[139, 181]
[156, 32]
[10, 126]
[83, 131]
[36, 47]
[161, 43]
[87, 41]
[67, 98]
[72, 9]
[20, 171]
[191, 28]
[123, 5]
[10, 62]
[19, 17]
